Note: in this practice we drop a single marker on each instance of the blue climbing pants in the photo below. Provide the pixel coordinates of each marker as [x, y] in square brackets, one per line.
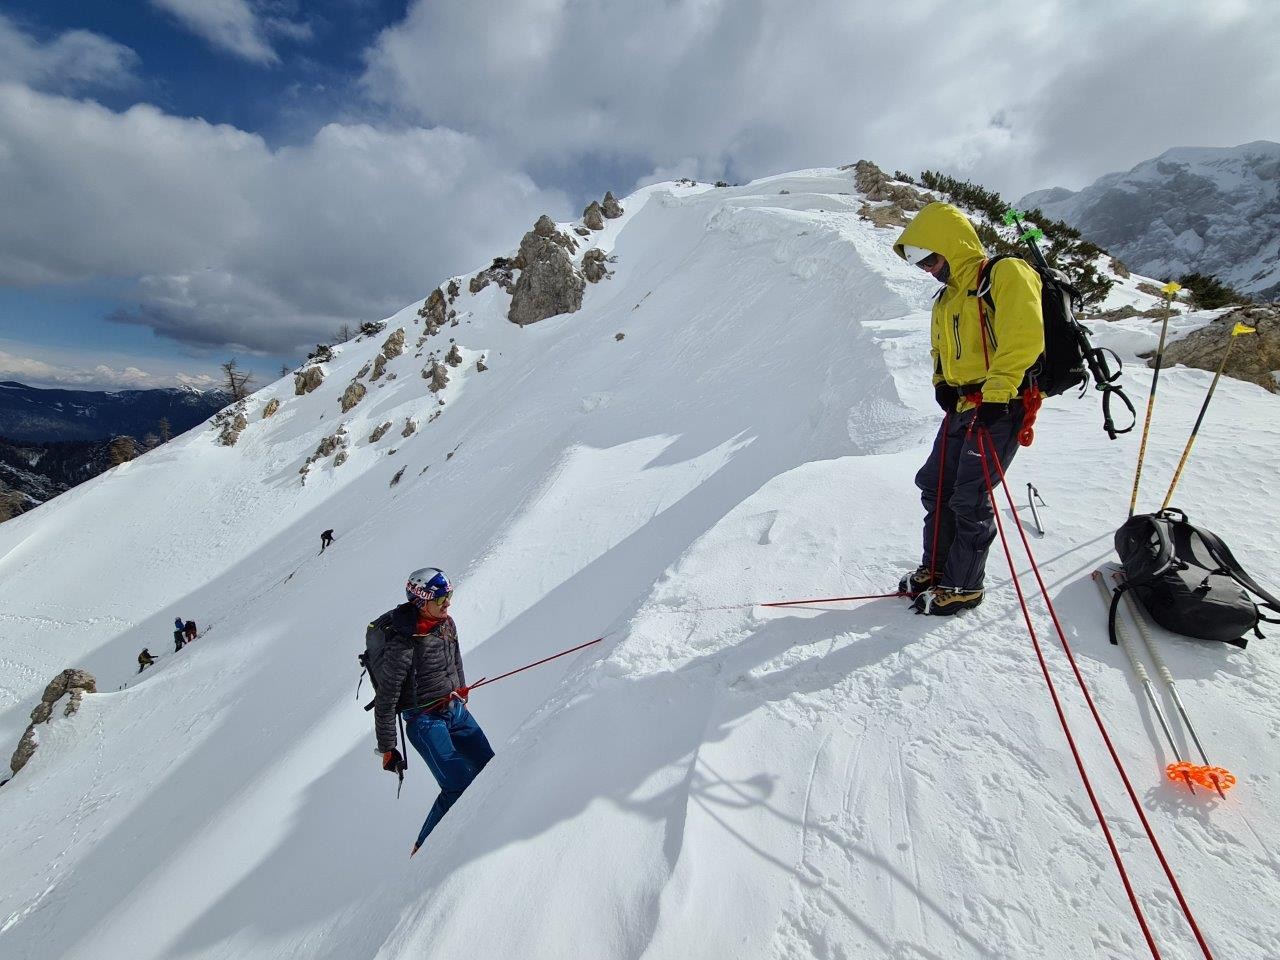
[454, 747]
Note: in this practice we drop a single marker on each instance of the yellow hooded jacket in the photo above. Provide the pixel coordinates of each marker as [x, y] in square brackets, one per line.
[1015, 332]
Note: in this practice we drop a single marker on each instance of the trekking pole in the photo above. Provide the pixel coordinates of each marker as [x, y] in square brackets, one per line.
[1032, 496]
[1170, 290]
[1181, 768]
[1237, 331]
[1217, 777]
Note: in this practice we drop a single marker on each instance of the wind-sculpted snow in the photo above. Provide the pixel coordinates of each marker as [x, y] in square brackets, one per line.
[714, 778]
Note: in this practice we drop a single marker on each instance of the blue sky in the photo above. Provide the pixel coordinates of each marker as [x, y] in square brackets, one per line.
[191, 180]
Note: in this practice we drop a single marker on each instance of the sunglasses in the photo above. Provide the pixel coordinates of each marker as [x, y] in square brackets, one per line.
[929, 262]
[443, 598]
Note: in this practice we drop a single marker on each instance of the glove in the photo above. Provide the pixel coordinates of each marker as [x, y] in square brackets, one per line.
[989, 413]
[946, 395]
[392, 762]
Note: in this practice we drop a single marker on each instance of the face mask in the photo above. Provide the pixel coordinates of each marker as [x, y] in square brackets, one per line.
[943, 275]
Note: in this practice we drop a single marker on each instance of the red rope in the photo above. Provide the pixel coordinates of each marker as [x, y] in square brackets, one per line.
[1057, 703]
[1097, 717]
[529, 666]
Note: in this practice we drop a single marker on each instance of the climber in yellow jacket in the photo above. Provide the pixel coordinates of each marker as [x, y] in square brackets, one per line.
[978, 354]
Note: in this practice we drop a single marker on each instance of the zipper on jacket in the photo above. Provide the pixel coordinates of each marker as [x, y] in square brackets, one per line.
[955, 330]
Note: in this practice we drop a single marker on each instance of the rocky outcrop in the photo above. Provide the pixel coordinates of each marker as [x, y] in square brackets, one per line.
[410, 427]
[454, 356]
[549, 284]
[593, 216]
[501, 272]
[271, 409]
[453, 290]
[435, 310]
[230, 423]
[438, 374]
[72, 682]
[481, 366]
[874, 184]
[323, 353]
[1119, 269]
[394, 345]
[379, 432]
[611, 208]
[593, 265]
[1254, 357]
[352, 395]
[379, 366]
[886, 215]
[307, 380]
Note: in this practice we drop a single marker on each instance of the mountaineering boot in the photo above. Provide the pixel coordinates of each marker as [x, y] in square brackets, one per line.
[917, 582]
[944, 601]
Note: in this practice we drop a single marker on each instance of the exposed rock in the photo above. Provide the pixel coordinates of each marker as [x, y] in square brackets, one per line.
[1150, 289]
[1118, 268]
[330, 444]
[611, 208]
[499, 272]
[396, 478]
[379, 432]
[593, 216]
[885, 215]
[722, 183]
[340, 459]
[307, 380]
[593, 265]
[71, 682]
[230, 423]
[371, 328]
[434, 308]
[453, 290]
[323, 353]
[619, 336]
[874, 184]
[352, 395]
[582, 231]
[270, 410]
[1254, 357]
[454, 357]
[481, 366]
[363, 370]
[394, 345]
[410, 427]
[1125, 312]
[379, 365]
[549, 283]
[438, 374]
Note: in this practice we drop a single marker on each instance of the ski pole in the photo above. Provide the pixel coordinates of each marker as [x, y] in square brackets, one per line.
[1173, 769]
[1220, 779]
[1238, 330]
[1032, 496]
[1170, 290]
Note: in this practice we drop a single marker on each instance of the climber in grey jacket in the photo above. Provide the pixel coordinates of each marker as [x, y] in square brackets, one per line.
[421, 678]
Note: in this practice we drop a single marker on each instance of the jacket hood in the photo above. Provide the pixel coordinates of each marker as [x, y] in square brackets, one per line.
[942, 228]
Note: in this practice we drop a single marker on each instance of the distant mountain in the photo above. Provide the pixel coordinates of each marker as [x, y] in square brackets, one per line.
[1190, 210]
[32, 414]
[31, 473]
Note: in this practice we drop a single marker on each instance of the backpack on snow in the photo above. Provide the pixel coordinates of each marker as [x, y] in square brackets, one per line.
[1069, 357]
[1188, 579]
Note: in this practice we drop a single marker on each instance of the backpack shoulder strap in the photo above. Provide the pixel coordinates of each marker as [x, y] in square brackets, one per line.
[983, 288]
[1231, 566]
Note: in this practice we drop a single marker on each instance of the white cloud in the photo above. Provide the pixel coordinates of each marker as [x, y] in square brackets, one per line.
[73, 370]
[73, 60]
[233, 26]
[239, 245]
[1017, 95]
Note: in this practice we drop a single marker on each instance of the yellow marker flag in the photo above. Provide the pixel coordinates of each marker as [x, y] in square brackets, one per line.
[1171, 289]
[1239, 329]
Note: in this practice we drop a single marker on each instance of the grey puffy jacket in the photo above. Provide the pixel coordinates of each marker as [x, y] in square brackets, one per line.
[416, 670]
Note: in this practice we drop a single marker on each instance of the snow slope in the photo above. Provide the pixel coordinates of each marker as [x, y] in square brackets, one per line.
[714, 779]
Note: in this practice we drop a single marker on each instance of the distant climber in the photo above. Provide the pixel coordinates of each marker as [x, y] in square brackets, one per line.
[189, 631]
[177, 623]
[326, 539]
[145, 659]
[179, 634]
[420, 677]
[980, 364]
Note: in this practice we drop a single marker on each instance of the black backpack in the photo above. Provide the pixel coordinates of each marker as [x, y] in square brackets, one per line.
[1188, 579]
[1069, 355]
[370, 659]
